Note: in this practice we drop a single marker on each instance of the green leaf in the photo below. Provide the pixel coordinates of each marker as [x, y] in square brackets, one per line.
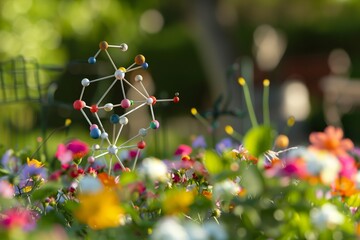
[225, 174]
[354, 200]
[252, 180]
[213, 162]
[48, 189]
[128, 177]
[258, 140]
[4, 172]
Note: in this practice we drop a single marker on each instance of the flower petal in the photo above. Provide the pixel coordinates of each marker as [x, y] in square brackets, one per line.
[333, 132]
[346, 144]
[317, 139]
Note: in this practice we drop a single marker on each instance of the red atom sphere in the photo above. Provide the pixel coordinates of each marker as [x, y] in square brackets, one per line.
[78, 104]
[141, 144]
[154, 100]
[176, 99]
[94, 108]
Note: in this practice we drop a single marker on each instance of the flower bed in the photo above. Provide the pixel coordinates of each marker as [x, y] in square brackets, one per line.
[309, 192]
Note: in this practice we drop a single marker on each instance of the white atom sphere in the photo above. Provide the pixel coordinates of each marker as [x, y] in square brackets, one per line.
[104, 135]
[149, 101]
[123, 120]
[124, 47]
[108, 107]
[85, 82]
[119, 74]
[138, 78]
[95, 147]
[142, 132]
[112, 149]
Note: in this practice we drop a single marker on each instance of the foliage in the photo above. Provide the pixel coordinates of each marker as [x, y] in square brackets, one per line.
[307, 192]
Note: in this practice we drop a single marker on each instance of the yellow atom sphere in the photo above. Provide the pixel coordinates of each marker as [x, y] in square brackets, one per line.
[122, 69]
[139, 59]
[282, 141]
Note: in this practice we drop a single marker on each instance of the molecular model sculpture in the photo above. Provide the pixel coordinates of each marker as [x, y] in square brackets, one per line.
[110, 145]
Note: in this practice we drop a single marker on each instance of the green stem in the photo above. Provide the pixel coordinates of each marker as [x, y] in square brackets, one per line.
[248, 102]
[43, 142]
[266, 111]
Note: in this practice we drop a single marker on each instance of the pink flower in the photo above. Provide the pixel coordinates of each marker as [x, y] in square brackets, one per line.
[18, 218]
[348, 167]
[183, 150]
[6, 190]
[73, 150]
[331, 140]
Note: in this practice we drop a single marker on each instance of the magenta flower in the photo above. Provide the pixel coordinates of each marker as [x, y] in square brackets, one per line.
[73, 150]
[18, 218]
[295, 166]
[348, 167]
[183, 150]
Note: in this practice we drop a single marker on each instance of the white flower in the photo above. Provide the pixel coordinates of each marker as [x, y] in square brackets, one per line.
[154, 169]
[326, 217]
[169, 228]
[357, 180]
[89, 184]
[189, 173]
[195, 231]
[324, 164]
[225, 189]
[215, 231]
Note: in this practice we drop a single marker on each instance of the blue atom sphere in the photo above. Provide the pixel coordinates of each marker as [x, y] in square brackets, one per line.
[144, 65]
[95, 133]
[92, 60]
[114, 118]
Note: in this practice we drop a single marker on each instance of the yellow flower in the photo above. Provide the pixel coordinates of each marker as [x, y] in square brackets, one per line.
[34, 162]
[177, 201]
[27, 189]
[99, 210]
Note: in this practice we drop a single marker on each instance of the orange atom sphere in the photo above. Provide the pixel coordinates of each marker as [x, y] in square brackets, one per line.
[103, 45]
[139, 59]
[282, 141]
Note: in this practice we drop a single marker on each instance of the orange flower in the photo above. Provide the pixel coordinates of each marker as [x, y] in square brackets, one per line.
[331, 140]
[207, 194]
[107, 180]
[344, 187]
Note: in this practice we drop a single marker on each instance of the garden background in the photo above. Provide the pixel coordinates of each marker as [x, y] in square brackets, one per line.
[258, 105]
[197, 48]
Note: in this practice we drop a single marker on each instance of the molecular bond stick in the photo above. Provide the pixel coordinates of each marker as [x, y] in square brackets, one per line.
[118, 122]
